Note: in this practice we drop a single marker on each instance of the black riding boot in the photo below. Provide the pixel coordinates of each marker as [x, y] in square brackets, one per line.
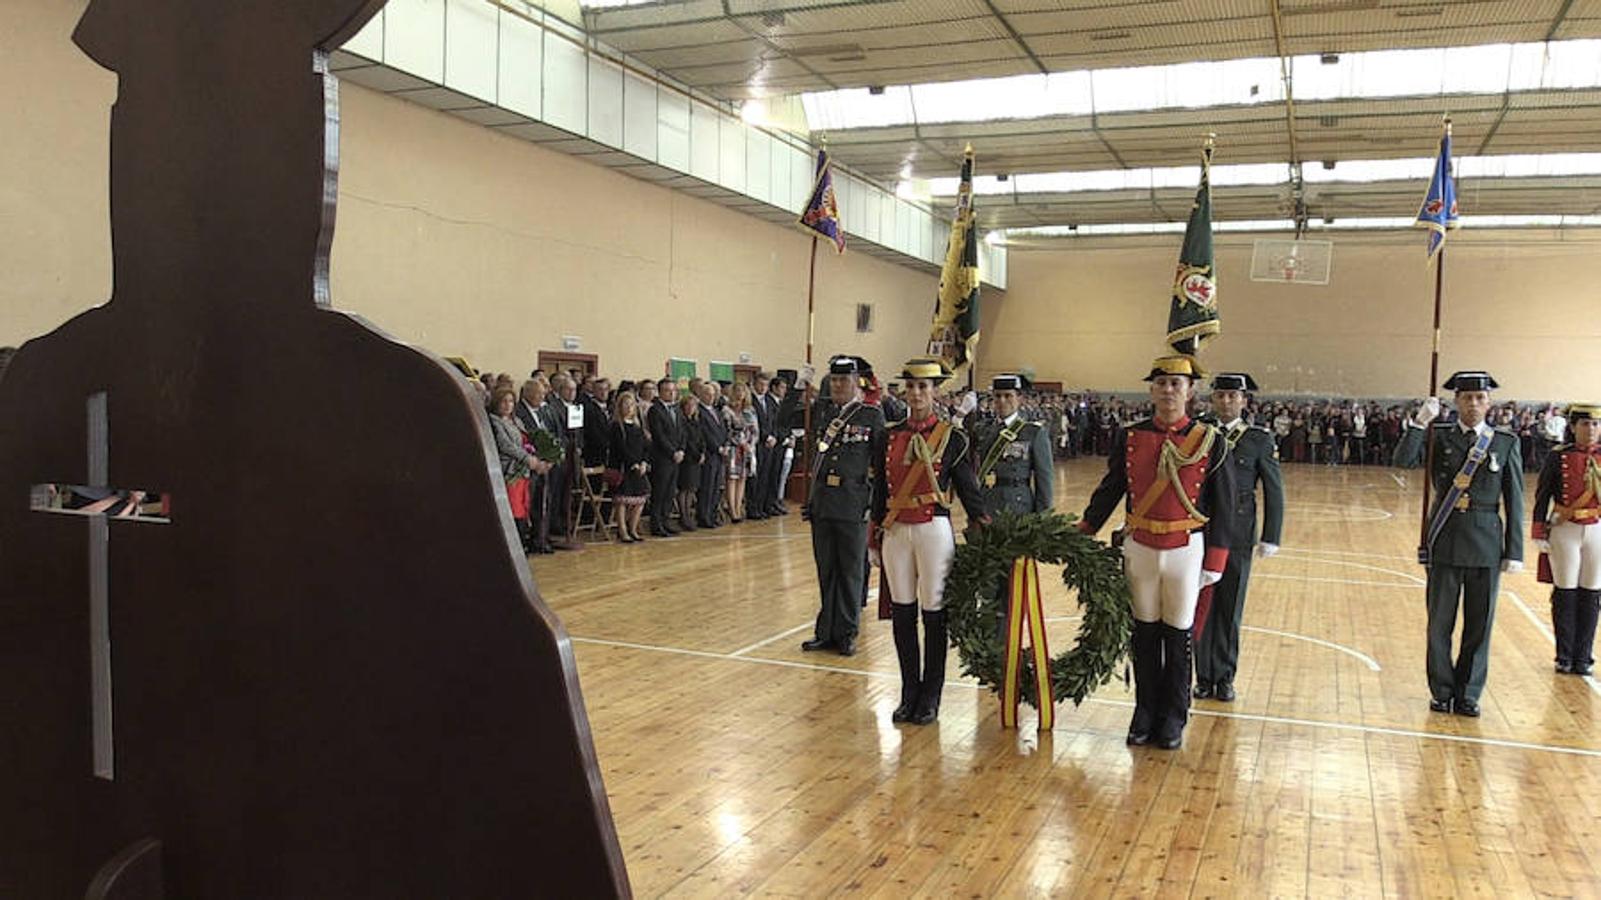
[1564, 606]
[1145, 647]
[903, 622]
[1587, 609]
[1175, 687]
[937, 641]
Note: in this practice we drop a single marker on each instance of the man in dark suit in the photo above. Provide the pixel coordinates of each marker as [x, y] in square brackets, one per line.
[666, 452]
[597, 423]
[714, 471]
[777, 390]
[563, 395]
[757, 498]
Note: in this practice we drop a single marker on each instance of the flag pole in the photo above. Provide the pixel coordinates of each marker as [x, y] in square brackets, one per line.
[811, 333]
[1434, 383]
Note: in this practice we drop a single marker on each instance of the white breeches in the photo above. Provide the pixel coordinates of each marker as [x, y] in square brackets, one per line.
[917, 558]
[1576, 556]
[1164, 584]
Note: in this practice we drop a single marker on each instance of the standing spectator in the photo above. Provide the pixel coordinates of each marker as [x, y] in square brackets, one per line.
[743, 433]
[533, 414]
[666, 452]
[689, 468]
[714, 471]
[627, 467]
[1359, 436]
[783, 453]
[757, 501]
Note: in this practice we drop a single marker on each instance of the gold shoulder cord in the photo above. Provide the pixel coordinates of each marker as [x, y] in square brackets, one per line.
[1171, 461]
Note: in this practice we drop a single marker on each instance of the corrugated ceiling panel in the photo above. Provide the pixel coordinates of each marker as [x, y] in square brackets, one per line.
[699, 34]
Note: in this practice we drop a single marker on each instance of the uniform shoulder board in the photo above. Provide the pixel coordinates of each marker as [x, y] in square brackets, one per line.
[1261, 428]
[895, 424]
[1561, 448]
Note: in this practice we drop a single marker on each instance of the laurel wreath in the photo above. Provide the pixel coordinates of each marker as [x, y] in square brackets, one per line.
[976, 599]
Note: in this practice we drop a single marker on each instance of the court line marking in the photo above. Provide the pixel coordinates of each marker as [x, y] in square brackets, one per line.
[1366, 660]
[1219, 714]
[1400, 479]
[777, 637]
[1528, 613]
[1390, 584]
[1534, 619]
[1382, 513]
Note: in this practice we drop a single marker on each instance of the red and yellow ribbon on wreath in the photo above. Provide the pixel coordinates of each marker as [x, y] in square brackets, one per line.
[1025, 609]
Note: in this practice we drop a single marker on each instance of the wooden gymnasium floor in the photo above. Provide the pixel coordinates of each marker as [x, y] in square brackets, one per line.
[738, 765]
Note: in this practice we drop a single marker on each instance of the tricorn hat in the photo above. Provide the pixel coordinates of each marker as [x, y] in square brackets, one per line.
[1471, 380]
[1009, 382]
[1233, 381]
[843, 365]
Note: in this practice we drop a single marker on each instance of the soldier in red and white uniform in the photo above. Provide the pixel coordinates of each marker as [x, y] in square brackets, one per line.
[925, 460]
[1171, 470]
[1567, 529]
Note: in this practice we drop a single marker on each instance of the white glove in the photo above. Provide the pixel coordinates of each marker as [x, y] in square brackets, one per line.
[807, 374]
[1543, 544]
[1511, 566]
[1265, 550]
[968, 404]
[1209, 577]
[1428, 412]
[875, 557]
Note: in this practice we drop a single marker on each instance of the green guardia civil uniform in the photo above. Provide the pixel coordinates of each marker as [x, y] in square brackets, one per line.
[1254, 459]
[1013, 458]
[1465, 559]
[848, 446]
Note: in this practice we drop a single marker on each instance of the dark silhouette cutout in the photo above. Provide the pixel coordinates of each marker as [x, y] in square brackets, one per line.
[331, 673]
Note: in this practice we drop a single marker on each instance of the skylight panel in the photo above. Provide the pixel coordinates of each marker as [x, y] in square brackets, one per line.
[857, 108]
[1572, 64]
[1366, 170]
[1017, 97]
[1426, 72]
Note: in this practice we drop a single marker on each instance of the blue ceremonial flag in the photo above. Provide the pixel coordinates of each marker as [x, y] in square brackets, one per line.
[1438, 212]
[821, 216]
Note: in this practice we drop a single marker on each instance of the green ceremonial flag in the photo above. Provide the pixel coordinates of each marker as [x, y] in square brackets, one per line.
[1192, 317]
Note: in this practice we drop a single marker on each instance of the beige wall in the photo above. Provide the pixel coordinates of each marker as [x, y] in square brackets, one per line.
[452, 236]
[1523, 304]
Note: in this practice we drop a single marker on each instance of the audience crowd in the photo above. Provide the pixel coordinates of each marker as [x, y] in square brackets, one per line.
[708, 455]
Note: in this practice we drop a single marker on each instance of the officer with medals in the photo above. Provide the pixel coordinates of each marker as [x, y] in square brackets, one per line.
[1253, 458]
[1174, 474]
[926, 458]
[1476, 472]
[847, 437]
[1567, 529]
[1013, 455]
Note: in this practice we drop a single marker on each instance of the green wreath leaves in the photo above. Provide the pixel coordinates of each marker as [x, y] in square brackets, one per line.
[976, 598]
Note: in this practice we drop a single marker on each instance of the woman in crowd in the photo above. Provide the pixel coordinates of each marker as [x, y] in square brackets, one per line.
[517, 464]
[694, 455]
[742, 435]
[627, 468]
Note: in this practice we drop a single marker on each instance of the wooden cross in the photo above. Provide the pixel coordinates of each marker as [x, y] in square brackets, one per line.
[112, 503]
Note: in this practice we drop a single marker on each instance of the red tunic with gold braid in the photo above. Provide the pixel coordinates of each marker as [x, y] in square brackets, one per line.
[946, 447]
[1157, 516]
[1570, 482]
